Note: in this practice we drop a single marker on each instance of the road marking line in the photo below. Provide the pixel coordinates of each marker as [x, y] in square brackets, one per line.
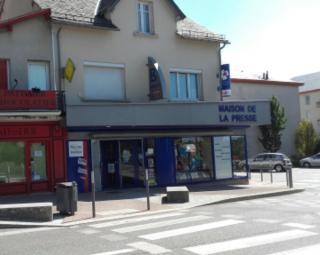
[117, 212]
[248, 242]
[113, 238]
[150, 248]
[88, 231]
[134, 220]
[270, 221]
[189, 230]
[24, 231]
[124, 251]
[309, 250]
[298, 225]
[160, 224]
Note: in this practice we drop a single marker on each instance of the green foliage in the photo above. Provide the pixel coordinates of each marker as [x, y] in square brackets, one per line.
[306, 139]
[271, 134]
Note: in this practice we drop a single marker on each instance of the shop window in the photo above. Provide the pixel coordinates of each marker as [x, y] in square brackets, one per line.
[307, 99]
[38, 162]
[222, 157]
[145, 17]
[238, 156]
[12, 162]
[38, 75]
[184, 86]
[193, 159]
[103, 81]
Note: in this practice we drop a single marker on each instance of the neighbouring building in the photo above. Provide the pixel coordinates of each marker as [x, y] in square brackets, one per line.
[141, 91]
[32, 134]
[287, 93]
[310, 98]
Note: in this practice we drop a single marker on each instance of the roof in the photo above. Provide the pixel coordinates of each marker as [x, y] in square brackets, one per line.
[266, 82]
[90, 13]
[311, 81]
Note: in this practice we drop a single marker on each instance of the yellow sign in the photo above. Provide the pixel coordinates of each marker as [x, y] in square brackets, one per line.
[69, 70]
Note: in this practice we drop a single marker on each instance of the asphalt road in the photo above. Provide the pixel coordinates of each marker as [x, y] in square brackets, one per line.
[286, 225]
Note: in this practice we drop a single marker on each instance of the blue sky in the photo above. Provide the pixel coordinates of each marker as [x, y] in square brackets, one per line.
[281, 36]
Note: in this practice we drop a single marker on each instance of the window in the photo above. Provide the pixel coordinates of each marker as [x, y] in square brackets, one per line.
[38, 75]
[103, 81]
[193, 159]
[307, 98]
[12, 162]
[184, 86]
[238, 156]
[145, 17]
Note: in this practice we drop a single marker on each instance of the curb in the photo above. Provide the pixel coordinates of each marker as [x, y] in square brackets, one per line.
[14, 224]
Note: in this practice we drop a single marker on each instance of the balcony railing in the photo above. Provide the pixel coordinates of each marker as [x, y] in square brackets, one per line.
[23, 100]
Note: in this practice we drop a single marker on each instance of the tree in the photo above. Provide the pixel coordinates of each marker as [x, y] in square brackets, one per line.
[271, 134]
[306, 139]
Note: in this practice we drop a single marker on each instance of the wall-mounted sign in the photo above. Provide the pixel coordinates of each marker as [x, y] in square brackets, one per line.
[237, 113]
[156, 80]
[225, 80]
[75, 149]
[25, 100]
[7, 132]
[69, 70]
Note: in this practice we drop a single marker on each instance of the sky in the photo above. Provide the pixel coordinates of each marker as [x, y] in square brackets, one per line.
[281, 36]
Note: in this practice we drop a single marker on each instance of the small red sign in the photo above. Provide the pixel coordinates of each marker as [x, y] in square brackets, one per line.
[28, 100]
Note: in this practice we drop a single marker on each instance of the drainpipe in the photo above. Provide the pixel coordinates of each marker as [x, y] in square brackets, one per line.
[224, 44]
[59, 59]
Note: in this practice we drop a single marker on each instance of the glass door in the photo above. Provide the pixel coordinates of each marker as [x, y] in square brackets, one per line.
[131, 163]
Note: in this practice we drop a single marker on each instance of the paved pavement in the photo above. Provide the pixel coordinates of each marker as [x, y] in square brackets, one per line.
[134, 200]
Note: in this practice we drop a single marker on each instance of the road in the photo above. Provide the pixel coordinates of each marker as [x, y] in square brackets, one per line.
[286, 225]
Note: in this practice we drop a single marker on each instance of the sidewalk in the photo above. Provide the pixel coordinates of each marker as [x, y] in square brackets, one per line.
[134, 201]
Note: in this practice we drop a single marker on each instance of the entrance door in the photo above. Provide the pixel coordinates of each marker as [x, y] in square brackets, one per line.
[3, 74]
[131, 163]
[110, 164]
[37, 169]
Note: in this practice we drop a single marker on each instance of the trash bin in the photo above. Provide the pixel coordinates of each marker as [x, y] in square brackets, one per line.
[67, 197]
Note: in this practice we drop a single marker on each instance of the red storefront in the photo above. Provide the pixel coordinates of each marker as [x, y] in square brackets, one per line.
[32, 142]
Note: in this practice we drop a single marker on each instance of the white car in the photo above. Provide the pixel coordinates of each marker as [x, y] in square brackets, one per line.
[270, 161]
[313, 161]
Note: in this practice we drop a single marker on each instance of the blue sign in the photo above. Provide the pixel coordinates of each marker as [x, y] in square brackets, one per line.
[225, 80]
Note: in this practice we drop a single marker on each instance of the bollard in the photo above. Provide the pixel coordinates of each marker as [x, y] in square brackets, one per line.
[287, 177]
[271, 176]
[147, 188]
[261, 175]
[290, 179]
[93, 195]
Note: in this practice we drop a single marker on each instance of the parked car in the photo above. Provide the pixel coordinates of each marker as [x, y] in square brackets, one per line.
[270, 161]
[312, 161]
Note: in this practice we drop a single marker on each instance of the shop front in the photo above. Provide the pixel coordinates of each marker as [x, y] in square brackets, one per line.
[32, 157]
[202, 150]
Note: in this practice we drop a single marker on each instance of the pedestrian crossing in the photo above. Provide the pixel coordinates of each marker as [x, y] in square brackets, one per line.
[156, 234]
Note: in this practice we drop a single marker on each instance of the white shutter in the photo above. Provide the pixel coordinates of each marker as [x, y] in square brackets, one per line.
[103, 83]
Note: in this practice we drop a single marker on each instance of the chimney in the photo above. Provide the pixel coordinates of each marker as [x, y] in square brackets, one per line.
[267, 75]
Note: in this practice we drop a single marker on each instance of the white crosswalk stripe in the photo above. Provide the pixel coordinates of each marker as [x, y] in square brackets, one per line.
[134, 220]
[24, 231]
[298, 225]
[117, 212]
[309, 250]
[160, 224]
[123, 251]
[190, 230]
[149, 248]
[249, 242]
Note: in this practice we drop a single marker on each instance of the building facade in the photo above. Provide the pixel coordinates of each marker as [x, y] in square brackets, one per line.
[248, 89]
[141, 92]
[310, 98]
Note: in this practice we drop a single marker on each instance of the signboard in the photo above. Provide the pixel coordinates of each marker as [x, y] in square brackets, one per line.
[237, 113]
[156, 80]
[25, 100]
[7, 132]
[79, 164]
[75, 149]
[225, 80]
[222, 157]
